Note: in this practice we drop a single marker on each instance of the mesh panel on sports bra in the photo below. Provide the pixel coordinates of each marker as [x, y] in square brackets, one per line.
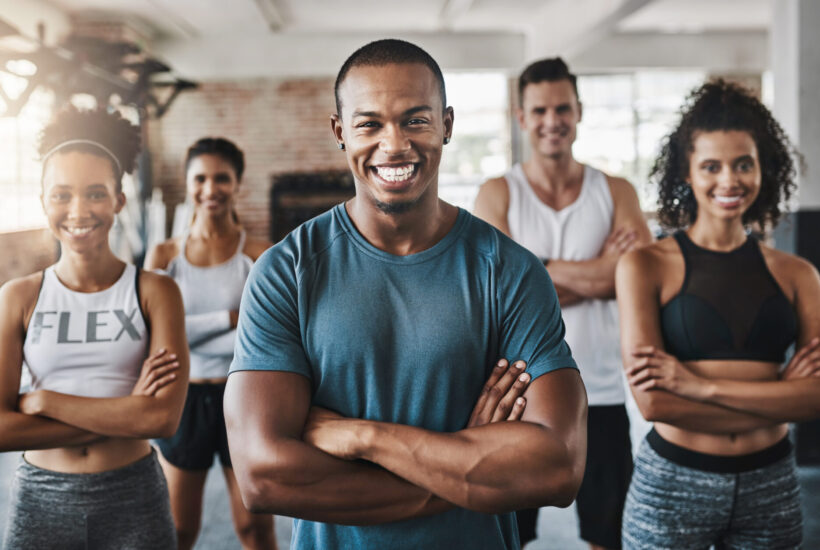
[729, 307]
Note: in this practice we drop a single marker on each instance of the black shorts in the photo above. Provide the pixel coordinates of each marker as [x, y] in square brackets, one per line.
[600, 501]
[201, 432]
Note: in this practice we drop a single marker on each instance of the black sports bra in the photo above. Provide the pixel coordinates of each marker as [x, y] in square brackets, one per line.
[729, 307]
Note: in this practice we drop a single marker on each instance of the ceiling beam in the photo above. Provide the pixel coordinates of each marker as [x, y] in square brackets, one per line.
[568, 27]
[715, 52]
[295, 54]
[26, 17]
[605, 27]
[273, 14]
[7, 29]
[451, 11]
[186, 28]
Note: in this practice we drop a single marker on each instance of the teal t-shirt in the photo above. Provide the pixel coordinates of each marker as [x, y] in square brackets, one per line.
[403, 339]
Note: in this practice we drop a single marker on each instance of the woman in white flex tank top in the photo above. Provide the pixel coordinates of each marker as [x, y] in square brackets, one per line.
[210, 263]
[108, 363]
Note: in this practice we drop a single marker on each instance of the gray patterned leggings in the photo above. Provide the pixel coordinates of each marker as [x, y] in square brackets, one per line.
[678, 507]
[123, 509]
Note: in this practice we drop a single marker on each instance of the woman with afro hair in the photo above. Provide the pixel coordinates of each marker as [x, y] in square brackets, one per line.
[707, 316]
[108, 361]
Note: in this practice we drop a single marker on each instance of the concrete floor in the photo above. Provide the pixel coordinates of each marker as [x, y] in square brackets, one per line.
[557, 528]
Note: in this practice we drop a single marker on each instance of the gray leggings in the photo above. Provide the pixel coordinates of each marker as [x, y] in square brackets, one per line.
[120, 509]
[679, 507]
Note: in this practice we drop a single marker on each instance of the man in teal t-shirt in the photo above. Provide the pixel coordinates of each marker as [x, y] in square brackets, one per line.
[365, 338]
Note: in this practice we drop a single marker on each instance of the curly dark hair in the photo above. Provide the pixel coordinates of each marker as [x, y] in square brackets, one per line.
[725, 106]
[107, 128]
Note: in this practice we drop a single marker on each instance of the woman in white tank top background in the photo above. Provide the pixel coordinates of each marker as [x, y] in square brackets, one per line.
[89, 478]
[210, 263]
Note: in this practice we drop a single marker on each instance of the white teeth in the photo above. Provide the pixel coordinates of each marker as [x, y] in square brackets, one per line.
[402, 173]
[727, 200]
[79, 230]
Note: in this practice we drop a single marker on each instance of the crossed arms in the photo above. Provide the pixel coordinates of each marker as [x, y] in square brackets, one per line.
[579, 280]
[292, 460]
[46, 419]
[667, 391]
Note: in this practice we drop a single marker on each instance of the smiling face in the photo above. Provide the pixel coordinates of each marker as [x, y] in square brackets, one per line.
[80, 199]
[393, 126]
[724, 172]
[549, 114]
[212, 184]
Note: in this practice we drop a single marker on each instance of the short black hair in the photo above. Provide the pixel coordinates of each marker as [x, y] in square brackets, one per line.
[552, 69]
[105, 127]
[724, 106]
[385, 52]
[220, 147]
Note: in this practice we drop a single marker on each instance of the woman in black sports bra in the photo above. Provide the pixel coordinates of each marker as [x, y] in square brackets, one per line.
[707, 316]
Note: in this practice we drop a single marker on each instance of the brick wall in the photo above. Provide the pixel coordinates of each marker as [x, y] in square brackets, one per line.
[281, 125]
[25, 252]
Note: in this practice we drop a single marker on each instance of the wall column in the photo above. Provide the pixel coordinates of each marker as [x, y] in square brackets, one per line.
[795, 47]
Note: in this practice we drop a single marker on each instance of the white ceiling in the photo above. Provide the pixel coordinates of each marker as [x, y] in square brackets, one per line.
[700, 16]
[181, 19]
[230, 39]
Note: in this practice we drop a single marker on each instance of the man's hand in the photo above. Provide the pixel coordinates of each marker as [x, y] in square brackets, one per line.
[619, 242]
[804, 363]
[157, 371]
[332, 433]
[501, 398]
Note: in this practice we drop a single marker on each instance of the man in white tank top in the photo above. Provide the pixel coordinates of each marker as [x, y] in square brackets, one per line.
[579, 221]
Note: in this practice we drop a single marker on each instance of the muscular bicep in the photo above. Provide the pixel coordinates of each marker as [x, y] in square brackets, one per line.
[265, 414]
[558, 401]
[627, 211]
[492, 203]
[262, 406]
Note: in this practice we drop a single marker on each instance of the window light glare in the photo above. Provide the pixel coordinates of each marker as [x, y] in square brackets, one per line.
[18, 44]
[21, 67]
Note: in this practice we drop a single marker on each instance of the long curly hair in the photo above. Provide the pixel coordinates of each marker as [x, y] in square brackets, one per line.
[107, 128]
[725, 106]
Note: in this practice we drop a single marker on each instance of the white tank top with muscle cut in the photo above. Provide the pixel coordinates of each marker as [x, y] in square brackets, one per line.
[209, 294]
[576, 232]
[90, 344]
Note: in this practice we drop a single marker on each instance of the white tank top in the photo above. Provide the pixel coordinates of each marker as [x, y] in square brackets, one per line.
[90, 344]
[209, 294]
[576, 232]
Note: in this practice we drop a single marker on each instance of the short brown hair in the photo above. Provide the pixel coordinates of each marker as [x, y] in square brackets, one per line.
[552, 69]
